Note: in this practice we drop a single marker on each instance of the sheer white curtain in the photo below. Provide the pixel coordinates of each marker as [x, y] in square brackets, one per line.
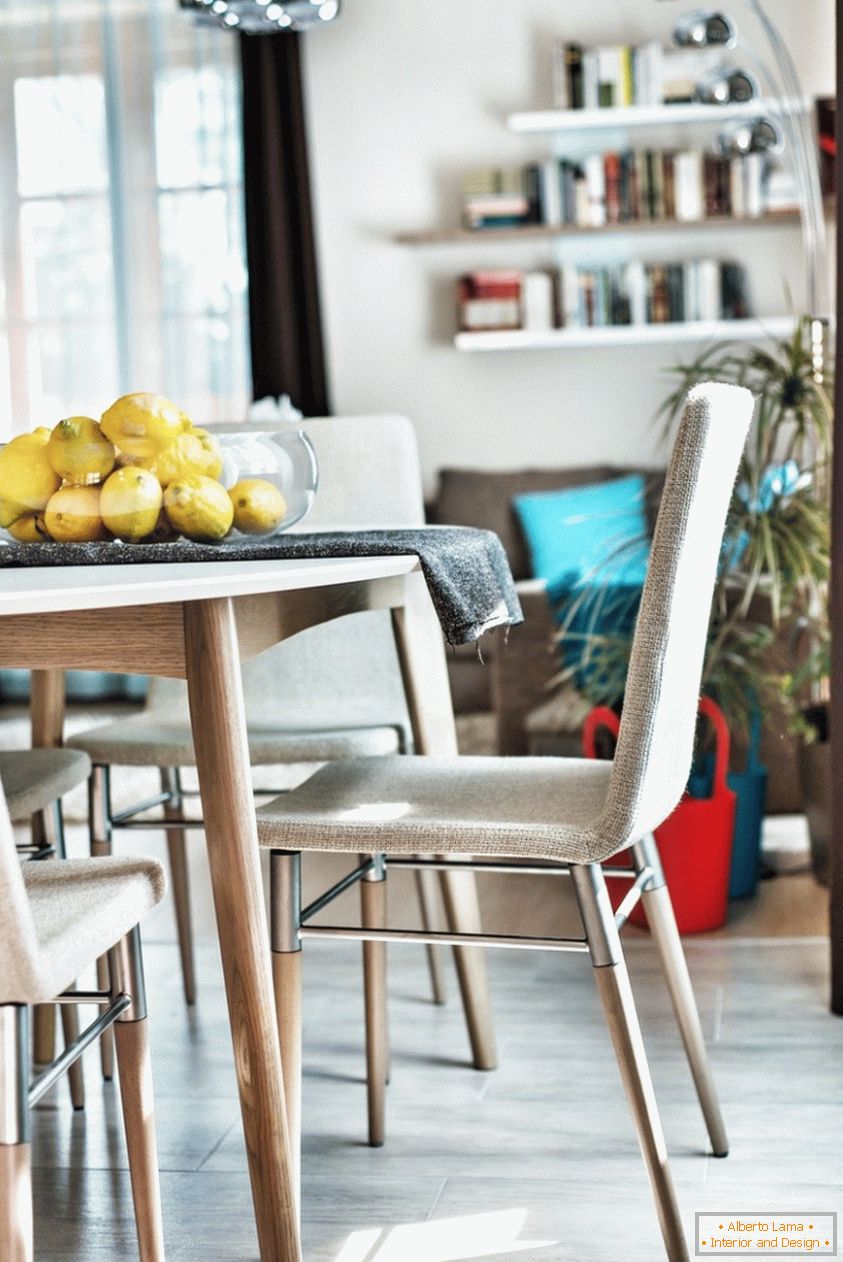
[121, 225]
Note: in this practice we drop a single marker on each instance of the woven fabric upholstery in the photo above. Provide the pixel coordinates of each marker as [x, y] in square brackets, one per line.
[340, 676]
[60, 915]
[145, 740]
[34, 778]
[564, 809]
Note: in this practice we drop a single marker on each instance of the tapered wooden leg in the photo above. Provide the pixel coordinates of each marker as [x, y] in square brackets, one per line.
[180, 880]
[15, 1178]
[426, 890]
[424, 670]
[222, 759]
[44, 1014]
[99, 832]
[612, 979]
[75, 1074]
[131, 1041]
[662, 924]
[373, 912]
[284, 920]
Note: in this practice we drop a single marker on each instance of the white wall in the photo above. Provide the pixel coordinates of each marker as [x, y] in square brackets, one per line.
[403, 98]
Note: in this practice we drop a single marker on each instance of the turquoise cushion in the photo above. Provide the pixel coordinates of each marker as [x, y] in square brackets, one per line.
[590, 544]
[574, 535]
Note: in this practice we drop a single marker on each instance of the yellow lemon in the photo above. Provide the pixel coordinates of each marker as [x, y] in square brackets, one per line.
[193, 454]
[9, 513]
[130, 502]
[259, 507]
[27, 478]
[199, 509]
[79, 451]
[73, 515]
[30, 529]
[143, 425]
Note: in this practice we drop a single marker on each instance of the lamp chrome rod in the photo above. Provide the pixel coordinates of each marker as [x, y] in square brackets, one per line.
[351, 878]
[446, 939]
[74, 1050]
[632, 896]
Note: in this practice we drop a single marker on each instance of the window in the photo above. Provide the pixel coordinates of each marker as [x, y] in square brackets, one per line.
[121, 218]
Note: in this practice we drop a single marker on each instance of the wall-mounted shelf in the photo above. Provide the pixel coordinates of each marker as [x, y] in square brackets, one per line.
[535, 121]
[541, 231]
[624, 335]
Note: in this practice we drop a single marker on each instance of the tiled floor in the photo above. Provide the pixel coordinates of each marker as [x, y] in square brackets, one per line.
[535, 1160]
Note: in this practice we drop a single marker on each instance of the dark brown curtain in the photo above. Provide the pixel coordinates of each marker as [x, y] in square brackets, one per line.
[285, 324]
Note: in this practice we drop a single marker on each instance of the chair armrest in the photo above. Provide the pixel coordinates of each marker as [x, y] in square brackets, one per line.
[522, 667]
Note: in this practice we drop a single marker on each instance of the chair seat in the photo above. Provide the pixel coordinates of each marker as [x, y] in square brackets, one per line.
[33, 778]
[518, 807]
[144, 741]
[80, 908]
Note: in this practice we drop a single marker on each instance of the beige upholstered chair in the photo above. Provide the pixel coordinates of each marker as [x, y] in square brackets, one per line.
[57, 919]
[35, 781]
[332, 693]
[559, 815]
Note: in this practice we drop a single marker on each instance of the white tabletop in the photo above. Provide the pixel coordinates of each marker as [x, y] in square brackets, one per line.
[57, 588]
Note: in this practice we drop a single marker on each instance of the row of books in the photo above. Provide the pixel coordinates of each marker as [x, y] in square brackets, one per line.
[624, 187]
[634, 293]
[617, 75]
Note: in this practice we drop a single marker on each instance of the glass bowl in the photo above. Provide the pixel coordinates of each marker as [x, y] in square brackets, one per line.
[281, 454]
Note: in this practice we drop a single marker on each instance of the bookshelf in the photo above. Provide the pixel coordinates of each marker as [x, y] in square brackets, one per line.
[624, 335]
[534, 122]
[539, 231]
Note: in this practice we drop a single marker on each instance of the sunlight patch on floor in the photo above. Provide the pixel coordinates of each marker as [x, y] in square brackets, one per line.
[445, 1240]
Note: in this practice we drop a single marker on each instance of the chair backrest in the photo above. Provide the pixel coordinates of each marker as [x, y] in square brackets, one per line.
[655, 744]
[19, 952]
[344, 673]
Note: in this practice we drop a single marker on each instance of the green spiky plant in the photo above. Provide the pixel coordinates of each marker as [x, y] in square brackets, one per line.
[776, 553]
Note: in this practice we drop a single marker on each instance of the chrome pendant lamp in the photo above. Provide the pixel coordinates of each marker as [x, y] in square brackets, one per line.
[263, 17]
[789, 132]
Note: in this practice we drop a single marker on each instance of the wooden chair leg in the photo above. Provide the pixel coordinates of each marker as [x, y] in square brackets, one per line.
[426, 890]
[44, 1014]
[373, 911]
[612, 979]
[15, 1178]
[662, 922]
[285, 909]
[131, 1041]
[99, 831]
[75, 1074]
[180, 880]
[462, 911]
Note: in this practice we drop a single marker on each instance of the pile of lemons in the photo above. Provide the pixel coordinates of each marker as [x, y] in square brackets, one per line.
[143, 471]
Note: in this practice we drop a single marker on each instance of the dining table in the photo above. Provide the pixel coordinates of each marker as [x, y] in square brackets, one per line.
[197, 621]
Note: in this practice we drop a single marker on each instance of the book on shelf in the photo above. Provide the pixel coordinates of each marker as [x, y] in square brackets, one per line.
[626, 186]
[633, 293]
[613, 76]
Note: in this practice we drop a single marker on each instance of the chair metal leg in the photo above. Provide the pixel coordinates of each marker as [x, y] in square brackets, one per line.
[99, 824]
[15, 1179]
[426, 890]
[662, 922]
[180, 879]
[131, 1039]
[284, 918]
[615, 992]
[373, 914]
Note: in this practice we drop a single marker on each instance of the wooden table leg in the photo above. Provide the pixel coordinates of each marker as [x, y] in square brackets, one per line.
[222, 759]
[46, 712]
[421, 652]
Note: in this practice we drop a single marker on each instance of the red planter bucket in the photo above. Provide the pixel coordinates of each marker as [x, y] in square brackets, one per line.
[695, 842]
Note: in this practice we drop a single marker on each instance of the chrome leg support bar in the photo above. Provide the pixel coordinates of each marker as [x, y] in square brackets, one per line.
[662, 924]
[14, 1074]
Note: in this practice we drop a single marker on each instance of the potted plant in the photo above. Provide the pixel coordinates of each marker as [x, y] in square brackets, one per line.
[775, 560]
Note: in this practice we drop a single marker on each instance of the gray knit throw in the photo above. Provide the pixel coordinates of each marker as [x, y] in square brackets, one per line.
[467, 570]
